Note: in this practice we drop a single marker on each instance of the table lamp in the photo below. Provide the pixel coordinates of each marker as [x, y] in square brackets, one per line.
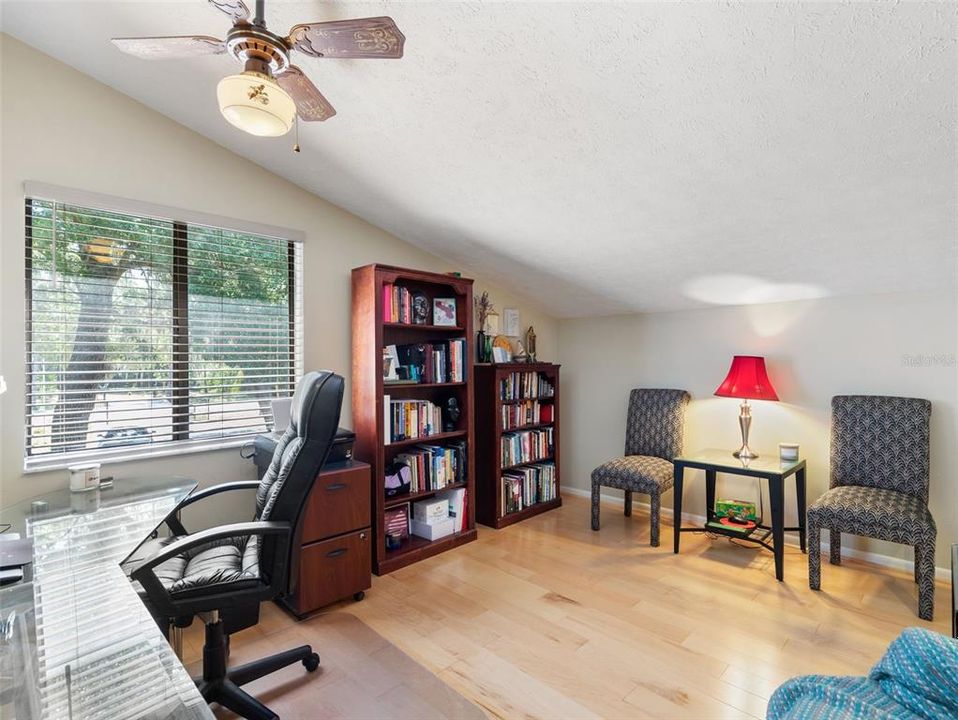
[748, 380]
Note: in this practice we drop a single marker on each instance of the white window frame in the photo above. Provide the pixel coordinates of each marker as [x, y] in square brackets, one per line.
[132, 453]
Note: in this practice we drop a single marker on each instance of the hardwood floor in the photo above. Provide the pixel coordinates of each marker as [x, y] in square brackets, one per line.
[547, 619]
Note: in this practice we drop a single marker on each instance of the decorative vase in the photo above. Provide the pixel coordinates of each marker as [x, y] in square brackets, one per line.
[481, 347]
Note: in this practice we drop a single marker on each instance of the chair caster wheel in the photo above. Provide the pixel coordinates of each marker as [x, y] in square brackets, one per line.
[359, 596]
[311, 662]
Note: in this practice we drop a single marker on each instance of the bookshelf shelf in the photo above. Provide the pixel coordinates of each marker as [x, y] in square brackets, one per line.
[489, 432]
[427, 439]
[413, 386]
[459, 329]
[412, 497]
[372, 287]
[548, 458]
[525, 513]
[413, 549]
[535, 426]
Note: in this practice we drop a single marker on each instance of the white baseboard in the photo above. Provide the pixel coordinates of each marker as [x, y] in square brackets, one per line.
[942, 574]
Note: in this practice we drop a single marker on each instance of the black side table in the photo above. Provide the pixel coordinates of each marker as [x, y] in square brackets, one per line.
[769, 467]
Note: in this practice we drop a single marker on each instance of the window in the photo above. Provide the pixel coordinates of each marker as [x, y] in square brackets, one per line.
[145, 332]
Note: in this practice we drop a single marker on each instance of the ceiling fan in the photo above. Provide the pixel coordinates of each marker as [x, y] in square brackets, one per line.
[265, 98]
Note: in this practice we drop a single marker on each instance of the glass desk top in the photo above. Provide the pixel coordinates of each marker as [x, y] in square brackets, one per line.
[83, 644]
[723, 461]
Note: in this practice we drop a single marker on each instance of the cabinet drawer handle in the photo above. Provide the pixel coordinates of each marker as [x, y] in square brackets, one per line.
[336, 553]
[335, 486]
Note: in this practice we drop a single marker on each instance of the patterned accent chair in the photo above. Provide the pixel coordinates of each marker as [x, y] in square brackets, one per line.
[878, 485]
[653, 437]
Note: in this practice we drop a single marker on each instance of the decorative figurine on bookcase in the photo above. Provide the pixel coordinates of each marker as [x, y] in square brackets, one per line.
[531, 344]
[451, 415]
[484, 309]
[520, 354]
[420, 308]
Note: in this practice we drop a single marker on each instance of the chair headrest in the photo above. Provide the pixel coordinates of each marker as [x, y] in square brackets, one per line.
[317, 402]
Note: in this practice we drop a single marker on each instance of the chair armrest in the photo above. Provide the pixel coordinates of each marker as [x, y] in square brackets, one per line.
[175, 524]
[256, 527]
[221, 488]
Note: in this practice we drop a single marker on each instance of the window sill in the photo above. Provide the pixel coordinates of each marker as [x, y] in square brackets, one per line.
[132, 453]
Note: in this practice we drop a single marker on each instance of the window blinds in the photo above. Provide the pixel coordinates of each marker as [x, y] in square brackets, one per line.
[150, 332]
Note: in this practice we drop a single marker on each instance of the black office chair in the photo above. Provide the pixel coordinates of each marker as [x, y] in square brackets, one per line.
[224, 573]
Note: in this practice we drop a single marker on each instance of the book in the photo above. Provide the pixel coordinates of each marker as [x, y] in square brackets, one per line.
[387, 417]
[388, 303]
[526, 446]
[436, 362]
[410, 419]
[433, 467]
[527, 486]
[397, 304]
[457, 506]
[396, 520]
[523, 385]
[734, 530]
[527, 412]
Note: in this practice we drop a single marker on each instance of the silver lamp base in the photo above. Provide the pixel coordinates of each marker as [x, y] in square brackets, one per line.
[744, 423]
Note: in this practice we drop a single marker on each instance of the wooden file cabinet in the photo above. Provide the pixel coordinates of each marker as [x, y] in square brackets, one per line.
[336, 544]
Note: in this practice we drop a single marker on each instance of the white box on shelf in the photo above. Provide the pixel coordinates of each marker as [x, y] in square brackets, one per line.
[435, 530]
[430, 512]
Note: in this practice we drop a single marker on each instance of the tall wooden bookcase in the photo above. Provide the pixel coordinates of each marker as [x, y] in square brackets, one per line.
[371, 333]
[489, 432]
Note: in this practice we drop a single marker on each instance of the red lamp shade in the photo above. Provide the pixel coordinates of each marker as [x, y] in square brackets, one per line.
[747, 379]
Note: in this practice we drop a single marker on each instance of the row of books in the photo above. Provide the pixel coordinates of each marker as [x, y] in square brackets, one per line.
[436, 362]
[521, 385]
[397, 304]
[524, 487]
[408, 419]
[433, 467]
[530, 412]
[526, 446]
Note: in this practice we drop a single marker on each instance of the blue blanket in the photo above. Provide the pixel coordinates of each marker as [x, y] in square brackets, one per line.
[917, 678]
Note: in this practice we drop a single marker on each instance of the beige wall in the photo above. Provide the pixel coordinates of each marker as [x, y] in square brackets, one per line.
[64, 128]
[814, 350]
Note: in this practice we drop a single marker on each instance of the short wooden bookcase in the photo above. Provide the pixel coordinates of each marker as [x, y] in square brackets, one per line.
[489, 431]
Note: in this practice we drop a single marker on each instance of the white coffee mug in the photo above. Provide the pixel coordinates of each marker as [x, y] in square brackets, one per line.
[84, 477]
[788, 452]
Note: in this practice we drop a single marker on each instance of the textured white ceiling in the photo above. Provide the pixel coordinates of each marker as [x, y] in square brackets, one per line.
[605, 157]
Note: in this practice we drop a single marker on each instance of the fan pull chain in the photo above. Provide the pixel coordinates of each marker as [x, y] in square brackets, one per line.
[296, 145]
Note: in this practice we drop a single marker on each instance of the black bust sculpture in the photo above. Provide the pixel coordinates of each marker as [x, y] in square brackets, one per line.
[420, 308]
[452, 415]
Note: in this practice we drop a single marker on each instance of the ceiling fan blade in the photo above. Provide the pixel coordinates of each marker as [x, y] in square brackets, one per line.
[310, 103]
[162, 48]
[236, 9]
[376, 37]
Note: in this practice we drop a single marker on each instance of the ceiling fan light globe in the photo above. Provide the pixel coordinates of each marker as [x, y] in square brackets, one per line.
[254, 103]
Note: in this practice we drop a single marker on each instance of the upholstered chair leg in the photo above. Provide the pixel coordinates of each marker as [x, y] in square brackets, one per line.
[917, 561]
[628, 503]
[834, 547]
[814, 545]
[595, 505]
[926, 581]
[655, 506]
